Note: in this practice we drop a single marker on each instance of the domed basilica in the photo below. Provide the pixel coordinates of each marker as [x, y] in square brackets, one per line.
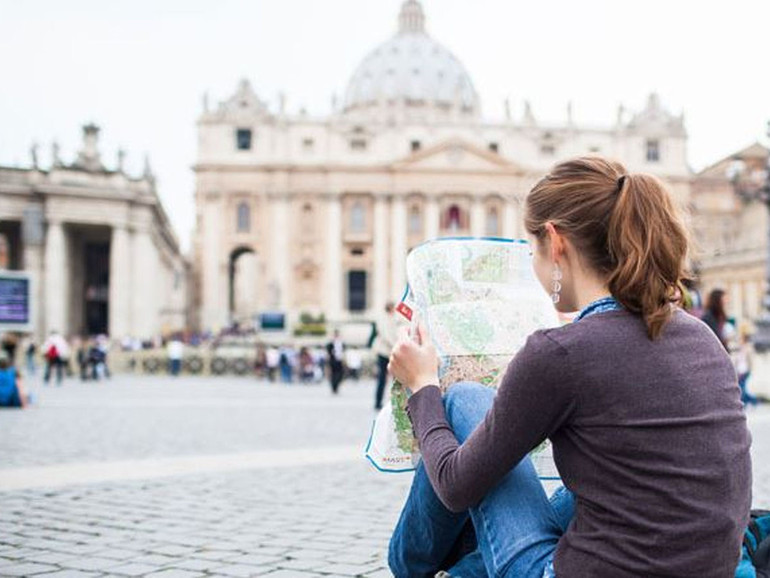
[299, 214]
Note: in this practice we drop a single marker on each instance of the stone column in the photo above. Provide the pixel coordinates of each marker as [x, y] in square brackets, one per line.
[432, 217]
[511, 218]
[398, 246]
[33, 265]
[333, 258]
[214, 297]
[33, 238]
[120, 313]
[56, 286]
[478, 217]
[380, 257]
[143, 300]
[281, 265]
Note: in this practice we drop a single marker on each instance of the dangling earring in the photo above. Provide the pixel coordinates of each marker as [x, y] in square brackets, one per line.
[556, 277]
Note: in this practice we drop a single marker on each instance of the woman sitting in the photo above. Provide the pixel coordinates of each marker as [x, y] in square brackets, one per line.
[11, 390]
[640, 402]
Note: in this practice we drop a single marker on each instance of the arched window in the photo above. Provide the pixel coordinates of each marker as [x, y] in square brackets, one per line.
[415, 221]
[493, 223]
[244, 217]
[454, 219]
[357, 218]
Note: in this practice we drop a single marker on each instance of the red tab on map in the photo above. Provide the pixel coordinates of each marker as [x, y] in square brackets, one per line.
[404, 310]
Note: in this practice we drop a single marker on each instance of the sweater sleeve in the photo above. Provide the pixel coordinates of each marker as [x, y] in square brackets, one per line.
[534, 400]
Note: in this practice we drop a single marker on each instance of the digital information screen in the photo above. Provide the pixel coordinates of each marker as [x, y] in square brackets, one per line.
[15, 302]
[272, 321]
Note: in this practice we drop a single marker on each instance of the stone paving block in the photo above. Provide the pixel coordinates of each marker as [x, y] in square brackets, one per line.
[308, 554]
[294, 574]
[70, 574]
[174, 550]
[133, 569]
[51, 557]
[197, 564]
[359, 559]
[381, 573]
[153, 559]
[172, 573]
[89, 563]
[214, 554]
[23, 553]
[116, 554]
[255, 559]
[28, 569]
[240, 570]
[297, 564]
[347, 569]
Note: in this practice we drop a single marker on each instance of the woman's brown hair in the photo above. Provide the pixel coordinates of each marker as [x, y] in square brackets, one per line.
[625, 226]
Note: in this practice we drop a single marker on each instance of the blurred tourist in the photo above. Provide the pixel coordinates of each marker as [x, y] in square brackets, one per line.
[692, 302]
[12, 393]
[30, 354]
[286, 363]
[742, 362]
[55, 351]
[307, 366]
[353, 362]
[82, 357]
[386, 337]
[260, 363]
[716, 317]
[335, 350]
[272, 358]
[175, 352]
[9, 344]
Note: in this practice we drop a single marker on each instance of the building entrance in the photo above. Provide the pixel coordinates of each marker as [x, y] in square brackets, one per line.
[97, 288]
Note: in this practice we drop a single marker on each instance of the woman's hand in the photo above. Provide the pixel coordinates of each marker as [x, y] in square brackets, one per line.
[414, 362]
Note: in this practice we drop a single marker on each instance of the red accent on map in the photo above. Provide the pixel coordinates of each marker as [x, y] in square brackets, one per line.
[404, 310]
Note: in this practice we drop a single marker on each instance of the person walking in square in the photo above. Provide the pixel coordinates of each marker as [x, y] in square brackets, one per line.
[175, 353]
[387, 333]
[55, 350]
[335, 350]
[640, 401]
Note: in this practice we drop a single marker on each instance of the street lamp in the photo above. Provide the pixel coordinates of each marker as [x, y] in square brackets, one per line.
[756, 188]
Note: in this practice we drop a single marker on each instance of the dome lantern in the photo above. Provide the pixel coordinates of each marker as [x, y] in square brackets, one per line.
[411, 20]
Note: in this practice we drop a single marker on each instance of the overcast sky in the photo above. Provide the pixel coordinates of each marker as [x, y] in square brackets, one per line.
[139, 68]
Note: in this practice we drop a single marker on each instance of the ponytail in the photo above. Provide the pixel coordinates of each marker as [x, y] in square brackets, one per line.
[648, 242]
[625, 226]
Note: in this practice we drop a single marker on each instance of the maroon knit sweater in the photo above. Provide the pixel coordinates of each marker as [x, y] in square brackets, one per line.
[649, 435]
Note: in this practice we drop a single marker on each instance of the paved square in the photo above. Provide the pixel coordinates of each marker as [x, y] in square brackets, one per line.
[206, 477]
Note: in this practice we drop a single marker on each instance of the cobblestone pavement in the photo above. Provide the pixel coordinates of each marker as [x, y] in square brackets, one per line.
[212, 481]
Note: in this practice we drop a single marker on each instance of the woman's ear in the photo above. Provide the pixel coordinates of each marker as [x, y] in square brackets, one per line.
[556, 242]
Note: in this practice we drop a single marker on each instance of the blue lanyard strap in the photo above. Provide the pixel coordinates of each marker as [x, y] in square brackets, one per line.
[599, 306]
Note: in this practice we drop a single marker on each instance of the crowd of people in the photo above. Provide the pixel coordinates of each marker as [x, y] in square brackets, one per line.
[57, 357]
[734, 337]
[87, 358]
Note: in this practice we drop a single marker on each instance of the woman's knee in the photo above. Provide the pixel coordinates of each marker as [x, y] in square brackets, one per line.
[466, 404]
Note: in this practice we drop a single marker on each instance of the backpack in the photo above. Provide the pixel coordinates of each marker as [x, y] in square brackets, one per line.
[755, 553]
[52, 353]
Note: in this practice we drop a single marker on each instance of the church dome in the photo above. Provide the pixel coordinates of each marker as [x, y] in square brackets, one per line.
[412, 69]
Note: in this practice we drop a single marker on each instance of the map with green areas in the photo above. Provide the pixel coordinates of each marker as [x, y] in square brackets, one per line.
[479, 301]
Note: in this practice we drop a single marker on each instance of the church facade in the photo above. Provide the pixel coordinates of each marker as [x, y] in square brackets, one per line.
[97, 245]
[299, 214]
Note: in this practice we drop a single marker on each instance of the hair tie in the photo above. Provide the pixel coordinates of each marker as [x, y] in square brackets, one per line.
[621, 181]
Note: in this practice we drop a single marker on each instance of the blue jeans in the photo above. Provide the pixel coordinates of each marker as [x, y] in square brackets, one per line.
[517, 526]
[746, 397]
